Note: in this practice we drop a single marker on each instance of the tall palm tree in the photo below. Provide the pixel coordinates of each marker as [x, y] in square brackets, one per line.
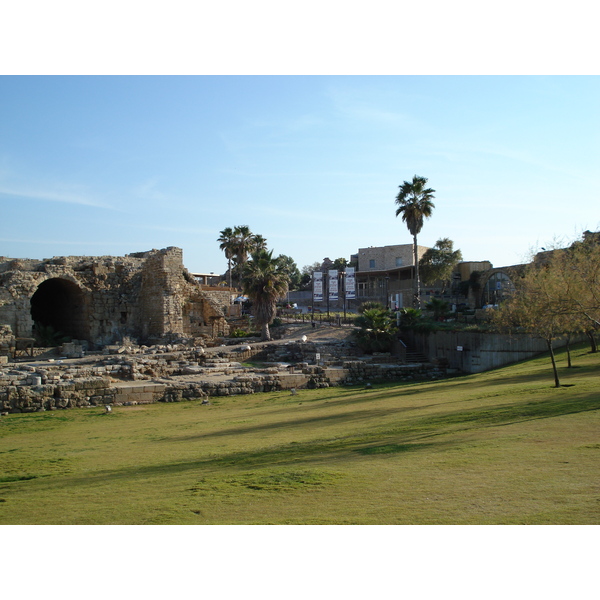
[415, 204]
[227, 240]
[259, 243]
[264, 281]
[244, 243]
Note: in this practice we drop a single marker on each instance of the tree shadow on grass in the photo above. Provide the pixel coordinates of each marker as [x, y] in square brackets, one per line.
[343, 419]
[415, 435]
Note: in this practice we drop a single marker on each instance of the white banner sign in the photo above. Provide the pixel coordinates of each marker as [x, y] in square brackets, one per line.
[333, 285]
[350, 284]
[317, 286]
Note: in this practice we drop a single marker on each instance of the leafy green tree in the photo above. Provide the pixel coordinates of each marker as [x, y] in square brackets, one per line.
[377, 330]
[438, 262]
[576, 271]
[539, 307]
[307, 274]
[291, 268]
[340, 264]
[264, 281]
[579, 266]
[414, 205]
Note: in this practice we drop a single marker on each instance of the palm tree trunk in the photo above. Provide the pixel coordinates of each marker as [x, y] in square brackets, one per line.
[417, 283]
[265, 333]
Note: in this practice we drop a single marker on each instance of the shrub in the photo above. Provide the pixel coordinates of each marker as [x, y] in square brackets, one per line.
[241, 333]
[46, 336]
[370, 304]
[377, 331]
[410, 317]
[440, 308]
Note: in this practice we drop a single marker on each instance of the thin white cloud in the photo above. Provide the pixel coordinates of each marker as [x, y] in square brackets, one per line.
[59, 241]
[67, 197]
[457, 151]
[177, 229]
[148, 190]
[371, 106]
[284, 126]
[295, 214]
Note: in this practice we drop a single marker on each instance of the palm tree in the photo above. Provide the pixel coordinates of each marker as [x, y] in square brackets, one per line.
[227, 240]
[439, 308]
[377, 330]
[244, 243]
[259, 243]
[415, 204]
[264, 281]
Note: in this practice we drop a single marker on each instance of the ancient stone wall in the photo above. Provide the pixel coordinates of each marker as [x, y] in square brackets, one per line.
[124, 375]
[146, 296]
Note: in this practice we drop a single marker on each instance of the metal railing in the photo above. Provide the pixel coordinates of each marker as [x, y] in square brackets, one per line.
[318, 318]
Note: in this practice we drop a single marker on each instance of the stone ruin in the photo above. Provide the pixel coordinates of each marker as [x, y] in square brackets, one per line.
[173, 373]
[153, 335]
[147, 296]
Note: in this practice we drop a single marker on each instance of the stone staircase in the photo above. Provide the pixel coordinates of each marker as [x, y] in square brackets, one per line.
[412, 355]
[416, 357]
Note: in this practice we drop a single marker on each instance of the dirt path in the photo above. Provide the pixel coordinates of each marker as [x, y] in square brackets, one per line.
[320, 333]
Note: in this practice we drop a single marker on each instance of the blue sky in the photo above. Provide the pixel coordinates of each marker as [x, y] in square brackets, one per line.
[109, 165]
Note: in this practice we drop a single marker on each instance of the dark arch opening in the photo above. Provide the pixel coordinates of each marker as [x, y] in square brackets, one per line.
[61, 304]
[497, 288]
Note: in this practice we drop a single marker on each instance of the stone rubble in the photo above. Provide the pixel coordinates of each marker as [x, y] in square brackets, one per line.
[172, 373]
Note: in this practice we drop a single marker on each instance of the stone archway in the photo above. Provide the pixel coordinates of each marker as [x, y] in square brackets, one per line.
[496, 287]
[61, 304]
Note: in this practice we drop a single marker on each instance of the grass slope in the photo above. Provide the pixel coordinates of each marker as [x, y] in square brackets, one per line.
[503, 447]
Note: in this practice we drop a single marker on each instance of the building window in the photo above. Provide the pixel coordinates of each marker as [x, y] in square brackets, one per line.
[372, 263]
[398, 261]
[497, 288]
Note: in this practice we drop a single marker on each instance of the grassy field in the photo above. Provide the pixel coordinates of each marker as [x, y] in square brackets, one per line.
[503, 447]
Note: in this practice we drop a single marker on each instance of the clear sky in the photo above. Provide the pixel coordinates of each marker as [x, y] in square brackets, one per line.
[114, 165]
[109, 165]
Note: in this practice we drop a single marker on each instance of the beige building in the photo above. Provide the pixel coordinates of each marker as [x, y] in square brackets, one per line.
[385, 274]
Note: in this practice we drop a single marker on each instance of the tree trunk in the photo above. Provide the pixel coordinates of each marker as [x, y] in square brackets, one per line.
[590, 334]
[265, 333]
[551, 349]
[417, 284]
[569, 365]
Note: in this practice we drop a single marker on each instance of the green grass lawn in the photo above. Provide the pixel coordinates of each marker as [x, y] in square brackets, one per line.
[503, 447]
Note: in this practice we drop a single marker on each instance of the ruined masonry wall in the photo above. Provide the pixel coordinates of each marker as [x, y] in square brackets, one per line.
[145, 295]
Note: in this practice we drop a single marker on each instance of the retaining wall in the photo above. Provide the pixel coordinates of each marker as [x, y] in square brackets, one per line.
[472, 352]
